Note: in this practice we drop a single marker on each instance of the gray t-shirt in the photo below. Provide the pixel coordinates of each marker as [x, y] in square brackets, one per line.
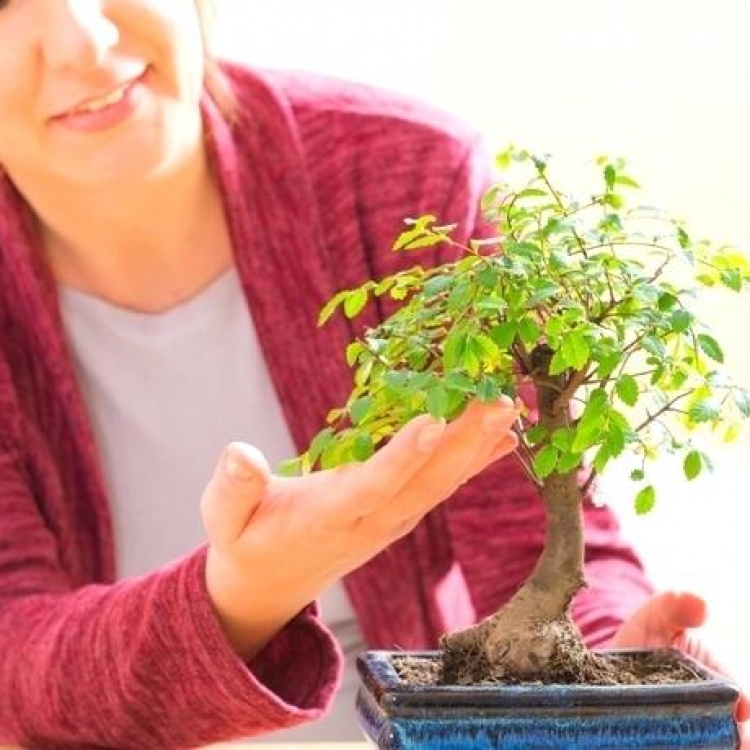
[166, 392]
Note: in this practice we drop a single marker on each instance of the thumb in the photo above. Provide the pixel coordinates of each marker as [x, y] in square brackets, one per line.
[682, 611]
[234, 493]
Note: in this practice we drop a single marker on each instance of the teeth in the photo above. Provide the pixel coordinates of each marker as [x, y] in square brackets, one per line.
[94, 105]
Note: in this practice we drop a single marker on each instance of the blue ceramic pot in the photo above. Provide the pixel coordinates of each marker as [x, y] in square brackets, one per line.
[397, 716]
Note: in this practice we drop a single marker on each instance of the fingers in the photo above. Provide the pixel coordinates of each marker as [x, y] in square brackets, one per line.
[665, 617]
[661, 621]
[234, 492]
[385, 473]
[467, 446]
[502, 448]
[679, 611]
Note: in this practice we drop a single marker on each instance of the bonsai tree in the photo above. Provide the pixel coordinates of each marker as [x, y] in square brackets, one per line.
[588, 302]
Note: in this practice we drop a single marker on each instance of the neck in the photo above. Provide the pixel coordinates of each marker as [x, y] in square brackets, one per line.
[145, 246]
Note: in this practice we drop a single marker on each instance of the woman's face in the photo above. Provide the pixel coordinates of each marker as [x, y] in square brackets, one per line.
[92, 92]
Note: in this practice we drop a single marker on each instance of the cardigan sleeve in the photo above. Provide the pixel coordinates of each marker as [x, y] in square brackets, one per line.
[503, 509]
[141, 663]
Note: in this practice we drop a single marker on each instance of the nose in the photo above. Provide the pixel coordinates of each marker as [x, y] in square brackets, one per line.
[75, 34]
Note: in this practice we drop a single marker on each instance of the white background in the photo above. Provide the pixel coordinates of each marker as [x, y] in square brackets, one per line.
[664, 84]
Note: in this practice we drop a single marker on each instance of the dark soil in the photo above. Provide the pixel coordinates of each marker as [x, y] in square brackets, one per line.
[655, 667]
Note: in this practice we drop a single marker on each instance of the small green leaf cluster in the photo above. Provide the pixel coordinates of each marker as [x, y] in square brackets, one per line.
[599, 285]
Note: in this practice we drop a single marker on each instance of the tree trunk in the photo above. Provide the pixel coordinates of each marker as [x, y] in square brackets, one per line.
[532, 636]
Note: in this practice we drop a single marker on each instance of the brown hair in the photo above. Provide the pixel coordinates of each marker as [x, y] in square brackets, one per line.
[216, 82]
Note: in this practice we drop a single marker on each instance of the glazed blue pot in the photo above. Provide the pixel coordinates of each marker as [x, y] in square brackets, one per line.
[398, 716]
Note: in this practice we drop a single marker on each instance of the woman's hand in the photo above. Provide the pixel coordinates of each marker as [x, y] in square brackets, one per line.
[666, 620]
[275, 543]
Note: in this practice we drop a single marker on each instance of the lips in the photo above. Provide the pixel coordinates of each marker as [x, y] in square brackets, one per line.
[97, 102]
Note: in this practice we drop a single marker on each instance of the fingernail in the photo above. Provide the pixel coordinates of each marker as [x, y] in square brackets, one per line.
[429, 436]
[236, 469]
[495, 421]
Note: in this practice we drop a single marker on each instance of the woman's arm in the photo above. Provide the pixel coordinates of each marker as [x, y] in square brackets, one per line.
[146, 663]
[142, 663]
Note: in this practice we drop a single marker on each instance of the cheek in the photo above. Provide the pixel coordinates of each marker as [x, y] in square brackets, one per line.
[173, 24]
[17, 115]
[169, 34]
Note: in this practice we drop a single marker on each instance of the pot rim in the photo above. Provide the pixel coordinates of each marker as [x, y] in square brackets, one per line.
[378, 674]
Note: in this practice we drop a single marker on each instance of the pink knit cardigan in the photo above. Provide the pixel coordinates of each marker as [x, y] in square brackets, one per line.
[316, 177]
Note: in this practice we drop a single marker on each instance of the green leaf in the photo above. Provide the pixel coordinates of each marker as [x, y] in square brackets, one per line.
[596, 405]
[543, 290]
[576, 350]
[732, 279]
[529, 332]
[626, 181]
[626, 388]
[655, 346]
[569, 462]
[710, 347]
[359, 409]
[320, 443]
[545, 461]
[427, 240]
[558, 363]
[454, 348]
[704, 410]
[353, 351]
[693, 464]
[614, 441]
[396, 380]
[536, 434]
[460, 296]
[532, 193]
[681, 320]
[613, 199]
[437, 402]
[291, 467]
[460, 382]
[666, 301]
[562, 439]
[742, 400]
[637, 475]
[504, 334]
[609, 176]
[438, 284]
[732, 432]
[488, 390]
[362, 447]
[331, 305]
[554, 327]
[602, 458]
[706, 279]
[419, 227]
[608, 363]
[488, 277]
[354, 302]
[645, 500]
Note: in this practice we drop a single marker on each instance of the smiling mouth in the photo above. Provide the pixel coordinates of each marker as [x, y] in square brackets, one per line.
[99, 103]
[102, 102]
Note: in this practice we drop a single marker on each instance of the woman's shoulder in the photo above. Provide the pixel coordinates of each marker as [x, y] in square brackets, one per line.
[324, 106]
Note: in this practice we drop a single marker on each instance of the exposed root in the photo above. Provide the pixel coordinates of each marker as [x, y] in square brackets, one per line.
[508, 649]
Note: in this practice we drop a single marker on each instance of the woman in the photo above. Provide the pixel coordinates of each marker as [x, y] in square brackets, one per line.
[150, 201]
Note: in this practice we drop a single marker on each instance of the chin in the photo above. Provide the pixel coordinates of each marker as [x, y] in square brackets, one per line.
[126, 161]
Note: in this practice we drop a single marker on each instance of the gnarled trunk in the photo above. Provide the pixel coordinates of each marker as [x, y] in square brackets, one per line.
[532, 637]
